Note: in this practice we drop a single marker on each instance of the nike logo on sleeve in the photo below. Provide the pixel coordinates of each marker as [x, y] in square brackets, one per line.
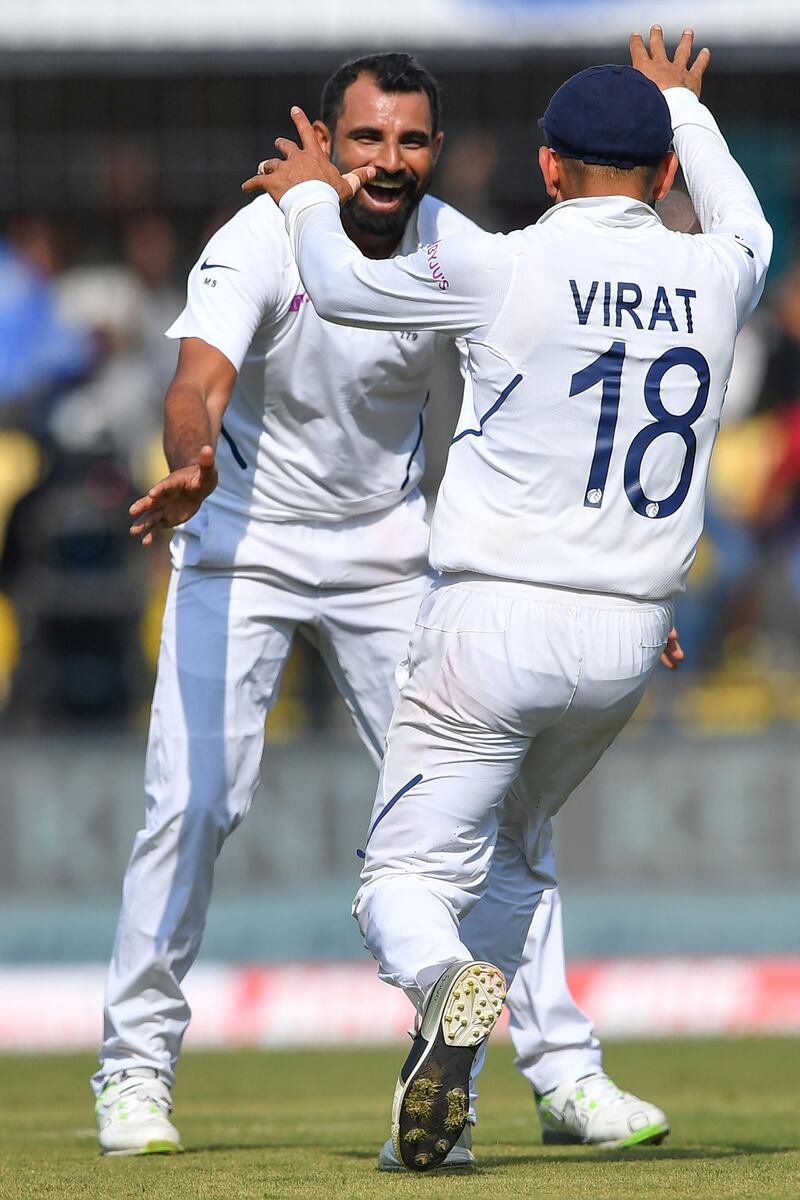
[208, 266]
[746, 249]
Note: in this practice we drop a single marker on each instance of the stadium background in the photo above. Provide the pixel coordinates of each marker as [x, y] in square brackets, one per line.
[124, 136]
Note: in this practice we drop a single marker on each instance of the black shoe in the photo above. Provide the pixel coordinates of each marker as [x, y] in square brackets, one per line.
[431, 1100]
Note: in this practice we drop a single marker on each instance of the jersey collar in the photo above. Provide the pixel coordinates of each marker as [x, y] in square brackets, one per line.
[615, 212]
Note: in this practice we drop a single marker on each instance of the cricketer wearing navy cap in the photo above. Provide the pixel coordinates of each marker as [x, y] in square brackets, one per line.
[599, 349]
[609, 116]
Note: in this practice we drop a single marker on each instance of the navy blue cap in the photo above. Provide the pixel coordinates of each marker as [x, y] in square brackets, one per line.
[612, 116]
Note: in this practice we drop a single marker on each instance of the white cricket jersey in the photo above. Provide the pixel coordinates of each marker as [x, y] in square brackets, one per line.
[324, 423]
[600, 345]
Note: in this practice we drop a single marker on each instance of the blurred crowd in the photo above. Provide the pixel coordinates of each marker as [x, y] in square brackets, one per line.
[83, 307]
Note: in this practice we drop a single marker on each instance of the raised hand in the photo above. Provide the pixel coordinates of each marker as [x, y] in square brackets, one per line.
[665, 72]
[307, 161]
[175, 498]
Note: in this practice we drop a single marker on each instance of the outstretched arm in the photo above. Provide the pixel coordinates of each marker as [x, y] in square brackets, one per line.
[725, 203]
[193, 409]
[452, 286]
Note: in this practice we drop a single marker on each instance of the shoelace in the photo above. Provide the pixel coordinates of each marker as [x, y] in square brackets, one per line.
[598, 1088]
[144, 1094]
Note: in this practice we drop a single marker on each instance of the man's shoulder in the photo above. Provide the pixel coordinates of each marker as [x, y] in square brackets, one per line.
[441, 220]
[260, 221]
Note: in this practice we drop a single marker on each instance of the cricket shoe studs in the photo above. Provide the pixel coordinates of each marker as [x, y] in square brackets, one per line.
[133, 1114]
[431, 1100]
[459, 1158]
[593, 1111]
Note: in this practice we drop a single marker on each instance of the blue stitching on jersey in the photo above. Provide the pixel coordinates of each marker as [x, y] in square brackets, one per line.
[235, 451]
[421, 420]
[389, 805]
[499, 402]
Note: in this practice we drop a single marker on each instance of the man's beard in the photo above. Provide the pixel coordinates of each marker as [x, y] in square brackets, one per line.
[382, 225]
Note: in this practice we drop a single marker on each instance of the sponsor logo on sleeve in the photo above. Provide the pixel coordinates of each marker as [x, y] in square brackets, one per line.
[434, 265]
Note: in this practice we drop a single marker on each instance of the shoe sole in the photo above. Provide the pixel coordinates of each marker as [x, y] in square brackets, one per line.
[147, 1148]
[465, 1163]
[651, 1135]
[443, 1168]
[431, 1106]
[400, 1169]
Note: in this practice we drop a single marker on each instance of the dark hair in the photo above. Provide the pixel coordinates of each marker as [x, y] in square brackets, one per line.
[393, 72]
[643, 174]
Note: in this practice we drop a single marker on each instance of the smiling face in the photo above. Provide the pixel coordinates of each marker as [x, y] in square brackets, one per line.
[391, 131]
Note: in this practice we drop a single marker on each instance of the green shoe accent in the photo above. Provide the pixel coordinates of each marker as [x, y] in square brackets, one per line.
[650, 1133]
[161, 1148]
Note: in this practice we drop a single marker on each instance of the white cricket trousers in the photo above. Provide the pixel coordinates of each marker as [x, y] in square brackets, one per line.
[226, 636]
[511, 694]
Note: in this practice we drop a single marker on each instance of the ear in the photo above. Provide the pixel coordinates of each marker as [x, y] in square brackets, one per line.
[665, 176]
[324, 137]
[548, 164]
[436, 145]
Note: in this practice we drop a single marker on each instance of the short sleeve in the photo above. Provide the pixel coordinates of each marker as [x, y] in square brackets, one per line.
[241, 277]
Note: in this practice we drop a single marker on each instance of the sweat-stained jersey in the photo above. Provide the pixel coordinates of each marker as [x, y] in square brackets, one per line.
[324, 423]
[600, 346]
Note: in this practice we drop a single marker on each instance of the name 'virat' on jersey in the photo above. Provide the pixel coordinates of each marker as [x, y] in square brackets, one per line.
[600, 346]
[611, 392]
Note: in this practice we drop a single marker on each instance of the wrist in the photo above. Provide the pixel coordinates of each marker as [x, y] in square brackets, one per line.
[684, 106]
[182, 457]
[310, 191]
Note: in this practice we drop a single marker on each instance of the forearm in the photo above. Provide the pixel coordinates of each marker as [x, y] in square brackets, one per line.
[404, 292]
[190, 423]
[330, 263]
[720, 191]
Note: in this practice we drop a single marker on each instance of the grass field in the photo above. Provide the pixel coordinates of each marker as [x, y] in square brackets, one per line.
[306, 1125]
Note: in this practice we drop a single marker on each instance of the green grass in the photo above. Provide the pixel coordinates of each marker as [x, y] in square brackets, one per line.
[307, 1126]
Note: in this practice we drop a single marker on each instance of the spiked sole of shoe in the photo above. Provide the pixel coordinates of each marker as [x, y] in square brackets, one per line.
[431, 1106]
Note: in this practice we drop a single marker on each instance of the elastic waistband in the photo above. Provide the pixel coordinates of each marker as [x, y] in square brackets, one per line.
[545, 593]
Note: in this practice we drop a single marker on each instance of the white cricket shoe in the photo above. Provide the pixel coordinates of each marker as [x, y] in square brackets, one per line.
[593, 1111]
[431, 1099]
[460, 1156]
[133, 1114]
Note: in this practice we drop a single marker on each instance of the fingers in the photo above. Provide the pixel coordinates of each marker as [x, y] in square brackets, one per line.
[674, 654]
[357, 178]
[683, 51]
[146, 529]
[657, 49]
[701, 64]
[207, 469]
[308, 139]
[639, 54]
[286, 146]
[142, 505]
